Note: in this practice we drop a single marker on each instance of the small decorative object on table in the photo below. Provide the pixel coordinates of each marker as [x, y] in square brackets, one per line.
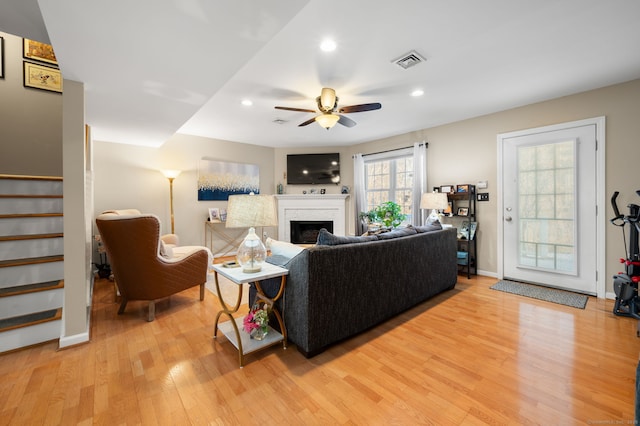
[256, 322]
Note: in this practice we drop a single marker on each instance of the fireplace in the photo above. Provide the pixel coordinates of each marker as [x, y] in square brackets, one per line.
[324, 208]
[306, 231]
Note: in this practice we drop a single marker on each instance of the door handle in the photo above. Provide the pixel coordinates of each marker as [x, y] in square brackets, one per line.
[508, 218]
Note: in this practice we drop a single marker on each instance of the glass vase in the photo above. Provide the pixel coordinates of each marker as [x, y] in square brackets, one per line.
[261, 332]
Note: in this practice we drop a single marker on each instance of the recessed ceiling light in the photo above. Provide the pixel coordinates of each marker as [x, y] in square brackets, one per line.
[417, 92]
[247, 102]
[328, 45]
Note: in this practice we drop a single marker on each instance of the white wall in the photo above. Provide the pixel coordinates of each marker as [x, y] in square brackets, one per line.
[129, 177]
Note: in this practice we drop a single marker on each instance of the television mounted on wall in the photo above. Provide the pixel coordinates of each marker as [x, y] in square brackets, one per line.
[313, 169]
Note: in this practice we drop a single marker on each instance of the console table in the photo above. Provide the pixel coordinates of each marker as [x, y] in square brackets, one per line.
[217, 231]
[232, 328]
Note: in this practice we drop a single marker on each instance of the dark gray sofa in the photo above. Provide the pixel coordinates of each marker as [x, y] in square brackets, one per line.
[334, 292]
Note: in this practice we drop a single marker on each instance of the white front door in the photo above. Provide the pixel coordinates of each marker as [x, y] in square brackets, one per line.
[548, 209]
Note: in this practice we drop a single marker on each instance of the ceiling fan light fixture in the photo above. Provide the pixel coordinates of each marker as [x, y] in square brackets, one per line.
[327, 120]
[327, 99]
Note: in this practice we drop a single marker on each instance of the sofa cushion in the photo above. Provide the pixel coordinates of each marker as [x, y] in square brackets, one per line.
[283, 248]
[436, 226]
[396, 233]
[326, 238]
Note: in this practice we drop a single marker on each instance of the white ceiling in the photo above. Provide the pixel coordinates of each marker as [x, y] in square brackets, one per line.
[152, 68]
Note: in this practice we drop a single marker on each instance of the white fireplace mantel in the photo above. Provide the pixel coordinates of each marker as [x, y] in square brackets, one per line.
[329, 207]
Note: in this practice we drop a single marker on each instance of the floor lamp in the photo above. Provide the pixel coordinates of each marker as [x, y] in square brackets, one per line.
[171, 175]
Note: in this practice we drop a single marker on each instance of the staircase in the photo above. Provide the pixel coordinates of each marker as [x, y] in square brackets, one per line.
[31, 260]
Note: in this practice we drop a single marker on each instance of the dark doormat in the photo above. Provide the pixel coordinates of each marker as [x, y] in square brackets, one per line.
[553, 295]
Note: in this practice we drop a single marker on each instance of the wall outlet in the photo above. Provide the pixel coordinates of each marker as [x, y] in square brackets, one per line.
[483, 196]
[265, 236]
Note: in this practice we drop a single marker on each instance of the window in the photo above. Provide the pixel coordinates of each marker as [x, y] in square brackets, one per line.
[390, 179]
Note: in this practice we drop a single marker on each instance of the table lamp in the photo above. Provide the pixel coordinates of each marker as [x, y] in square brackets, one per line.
[250, 211]
[434, 201]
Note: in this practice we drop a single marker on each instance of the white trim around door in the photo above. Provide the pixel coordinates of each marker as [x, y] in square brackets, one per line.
[599, 123]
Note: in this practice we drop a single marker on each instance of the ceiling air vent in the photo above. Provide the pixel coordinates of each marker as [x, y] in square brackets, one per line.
[409, 59]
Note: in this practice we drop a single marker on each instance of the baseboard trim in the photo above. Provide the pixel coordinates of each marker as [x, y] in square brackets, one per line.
[487, 274]
[76, 339]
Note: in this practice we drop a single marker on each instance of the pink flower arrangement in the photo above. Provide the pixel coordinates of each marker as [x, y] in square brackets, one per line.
[256, 318]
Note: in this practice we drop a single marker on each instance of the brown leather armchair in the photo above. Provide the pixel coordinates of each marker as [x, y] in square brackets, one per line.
[133, 245]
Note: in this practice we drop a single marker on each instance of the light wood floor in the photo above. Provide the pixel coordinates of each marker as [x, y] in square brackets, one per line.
[470, 356]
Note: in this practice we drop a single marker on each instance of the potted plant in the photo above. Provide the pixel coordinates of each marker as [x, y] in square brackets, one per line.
[389, 214]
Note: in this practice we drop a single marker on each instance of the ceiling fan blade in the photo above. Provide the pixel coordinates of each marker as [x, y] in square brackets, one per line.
[295, 109]
[346, 121]
[309, 121]
[360, 108]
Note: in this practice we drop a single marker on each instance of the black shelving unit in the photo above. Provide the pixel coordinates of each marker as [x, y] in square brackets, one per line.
[467, 238]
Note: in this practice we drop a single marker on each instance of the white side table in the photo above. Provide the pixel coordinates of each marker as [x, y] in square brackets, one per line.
[231, 329]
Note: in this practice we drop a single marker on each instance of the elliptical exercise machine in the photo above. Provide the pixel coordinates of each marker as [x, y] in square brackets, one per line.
[625, 284]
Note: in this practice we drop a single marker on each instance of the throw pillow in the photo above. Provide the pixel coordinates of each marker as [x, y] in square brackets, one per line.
[283, 248]
[165, 251]
[428, 228]
[326, 238]
[396, 233]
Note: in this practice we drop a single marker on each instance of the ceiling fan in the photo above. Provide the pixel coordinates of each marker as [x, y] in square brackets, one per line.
[329, 111]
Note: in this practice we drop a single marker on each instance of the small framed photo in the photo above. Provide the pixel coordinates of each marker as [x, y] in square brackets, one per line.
[462, 188]
[223, 215]
[463, 211]
[447, 188]
[214, 214]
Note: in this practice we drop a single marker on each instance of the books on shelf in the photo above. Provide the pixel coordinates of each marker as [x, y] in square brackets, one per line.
[468, 229]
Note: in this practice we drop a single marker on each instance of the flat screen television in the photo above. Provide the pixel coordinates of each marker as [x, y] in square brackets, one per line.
[313, 169]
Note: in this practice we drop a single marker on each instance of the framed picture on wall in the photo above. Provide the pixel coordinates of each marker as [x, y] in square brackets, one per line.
[1, 57]
[37, 51]
[41, 77]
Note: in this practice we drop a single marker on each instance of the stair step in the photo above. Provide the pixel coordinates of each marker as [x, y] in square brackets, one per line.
[31, 288]
[30, 261]
[30, 237]
[25, 215]
[30, 319]
[30, 177]
[30, 196]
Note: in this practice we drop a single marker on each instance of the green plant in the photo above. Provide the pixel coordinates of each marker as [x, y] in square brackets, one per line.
[388, 213]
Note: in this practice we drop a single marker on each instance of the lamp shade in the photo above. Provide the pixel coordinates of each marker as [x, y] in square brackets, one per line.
[171, 174]
[250, 211]
[244, 211]
[434, 200]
